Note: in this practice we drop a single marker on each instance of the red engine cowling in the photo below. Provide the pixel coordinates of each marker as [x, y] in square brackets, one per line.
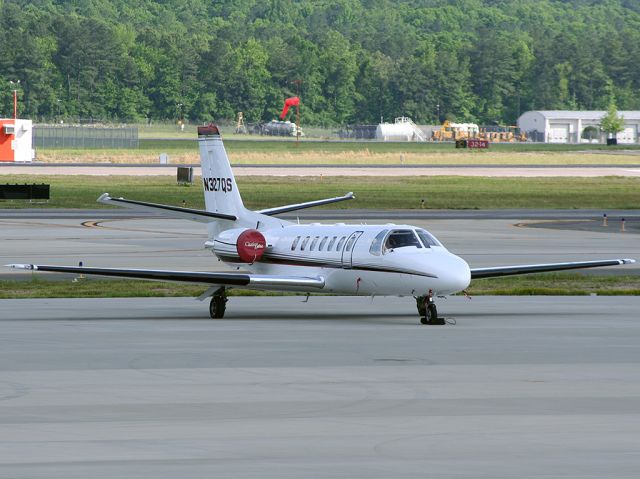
[250, 245]
[240, 245]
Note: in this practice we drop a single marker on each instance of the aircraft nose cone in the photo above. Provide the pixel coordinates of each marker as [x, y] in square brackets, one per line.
[457, 275]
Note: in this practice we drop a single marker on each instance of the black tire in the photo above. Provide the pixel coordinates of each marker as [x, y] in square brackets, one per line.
[427, 317]
[431, 315]
[420, 303]
[217, 307]
[432, 311]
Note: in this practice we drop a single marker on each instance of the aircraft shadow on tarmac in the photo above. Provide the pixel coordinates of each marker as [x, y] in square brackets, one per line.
[387, 317]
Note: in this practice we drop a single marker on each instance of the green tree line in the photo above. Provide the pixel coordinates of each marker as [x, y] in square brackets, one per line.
[358, 60]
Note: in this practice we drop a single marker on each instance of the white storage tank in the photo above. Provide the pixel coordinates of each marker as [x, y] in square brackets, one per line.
[404, 129]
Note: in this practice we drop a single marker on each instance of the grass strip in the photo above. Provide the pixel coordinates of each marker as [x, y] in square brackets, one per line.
[381, 192]
[551, 284]
[236, 144]
[271, 152]
[557, 284]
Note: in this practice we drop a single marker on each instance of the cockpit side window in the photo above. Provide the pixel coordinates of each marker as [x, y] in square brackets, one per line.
[401, 239]
[376, 244]
[427, 239]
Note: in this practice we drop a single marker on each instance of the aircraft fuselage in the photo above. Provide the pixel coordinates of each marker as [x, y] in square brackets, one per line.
[355, 259]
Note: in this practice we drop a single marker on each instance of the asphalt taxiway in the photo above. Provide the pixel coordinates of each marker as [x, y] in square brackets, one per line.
[504, 171]
[113, 238]
[336, 387]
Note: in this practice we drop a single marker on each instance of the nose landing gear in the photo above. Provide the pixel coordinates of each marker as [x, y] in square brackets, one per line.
[428, 311]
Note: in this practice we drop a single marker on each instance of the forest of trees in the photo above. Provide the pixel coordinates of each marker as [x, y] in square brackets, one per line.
[359, 60]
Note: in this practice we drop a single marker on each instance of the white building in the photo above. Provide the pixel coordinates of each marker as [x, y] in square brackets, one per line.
[559, 126]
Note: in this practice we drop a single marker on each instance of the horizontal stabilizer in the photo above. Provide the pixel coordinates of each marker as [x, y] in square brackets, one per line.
[308, 204]
[167, 210]
[477, 273]
[224, 279]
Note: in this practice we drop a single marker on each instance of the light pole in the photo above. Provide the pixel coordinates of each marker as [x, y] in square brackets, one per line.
[14, 86]
[180, 120]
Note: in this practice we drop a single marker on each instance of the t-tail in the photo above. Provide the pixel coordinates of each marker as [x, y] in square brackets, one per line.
[224, 209]
[221, 193]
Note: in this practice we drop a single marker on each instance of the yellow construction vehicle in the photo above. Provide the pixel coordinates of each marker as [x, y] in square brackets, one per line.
[455, 131]
[502, 134]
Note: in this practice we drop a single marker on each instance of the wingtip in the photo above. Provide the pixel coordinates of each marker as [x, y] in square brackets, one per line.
[20, 266]
[628, 261]
[103, 198]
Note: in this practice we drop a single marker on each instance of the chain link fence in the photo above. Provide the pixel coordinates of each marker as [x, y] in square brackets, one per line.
[59, 136]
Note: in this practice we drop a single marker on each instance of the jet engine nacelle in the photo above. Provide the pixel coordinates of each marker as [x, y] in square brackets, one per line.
[240, 245]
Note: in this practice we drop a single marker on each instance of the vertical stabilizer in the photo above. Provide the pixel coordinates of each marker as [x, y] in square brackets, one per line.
[221, 193]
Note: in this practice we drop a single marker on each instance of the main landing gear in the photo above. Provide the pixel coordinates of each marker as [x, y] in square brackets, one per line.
[218, 304]
[428, 311]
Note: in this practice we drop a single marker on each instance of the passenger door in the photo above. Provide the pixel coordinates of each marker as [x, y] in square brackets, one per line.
[347, 249]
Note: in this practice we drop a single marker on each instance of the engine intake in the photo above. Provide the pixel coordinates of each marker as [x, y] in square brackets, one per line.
[240, 245]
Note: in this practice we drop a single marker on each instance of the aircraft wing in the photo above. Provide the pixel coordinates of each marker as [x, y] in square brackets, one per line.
[308, 204]
[167, 210]
[477, 273]
[223, 279]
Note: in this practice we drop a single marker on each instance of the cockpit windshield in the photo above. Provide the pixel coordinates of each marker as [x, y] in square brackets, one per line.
[401, 239]
[376, 244]
[427, 239]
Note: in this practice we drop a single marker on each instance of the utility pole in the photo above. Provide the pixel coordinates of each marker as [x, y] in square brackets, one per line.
[15, 98]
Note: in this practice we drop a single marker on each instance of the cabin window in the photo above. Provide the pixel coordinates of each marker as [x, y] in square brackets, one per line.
[304, 243]
[428, 239]
[376, 244]
[314, 243]
[340, 243]
[401, 239]
[322, 243]
[295, 243]
[331, 243]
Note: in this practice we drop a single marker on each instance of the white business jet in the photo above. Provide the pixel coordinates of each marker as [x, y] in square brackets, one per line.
[382, 260]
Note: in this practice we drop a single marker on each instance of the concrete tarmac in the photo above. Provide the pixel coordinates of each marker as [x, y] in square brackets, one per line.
[336, 387]
[497, 171]
[347, 214]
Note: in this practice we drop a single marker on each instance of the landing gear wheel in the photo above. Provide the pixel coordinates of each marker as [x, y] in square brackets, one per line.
[421, 304]
[430, 315]
[429, 312]
[218, 305]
